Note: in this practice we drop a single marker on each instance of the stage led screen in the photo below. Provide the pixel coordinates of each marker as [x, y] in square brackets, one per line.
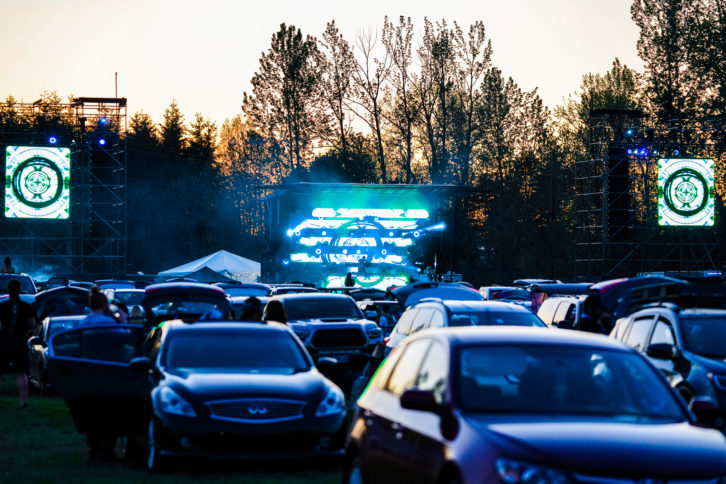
[686, 191]
[37, 182]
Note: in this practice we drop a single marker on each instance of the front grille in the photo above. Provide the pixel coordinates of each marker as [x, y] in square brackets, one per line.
[291, 443]
[256, 410]
[336, 338]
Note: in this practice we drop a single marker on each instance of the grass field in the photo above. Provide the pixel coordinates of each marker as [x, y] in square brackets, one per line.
[40, 444]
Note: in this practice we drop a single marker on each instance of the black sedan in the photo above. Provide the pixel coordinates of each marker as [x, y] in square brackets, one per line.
[526, 405]
[207, 389]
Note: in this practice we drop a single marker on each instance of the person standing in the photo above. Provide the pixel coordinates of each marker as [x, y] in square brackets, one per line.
[100, 314]
[8, 267]
[16, 322]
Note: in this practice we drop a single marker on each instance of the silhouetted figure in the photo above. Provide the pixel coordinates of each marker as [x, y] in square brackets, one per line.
[591, 320]
[349, 282]
[16, 323]
[100, 313]
[8, 267]
[251, 310]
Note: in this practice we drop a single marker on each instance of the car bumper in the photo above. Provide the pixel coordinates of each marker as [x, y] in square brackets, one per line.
[208, 437]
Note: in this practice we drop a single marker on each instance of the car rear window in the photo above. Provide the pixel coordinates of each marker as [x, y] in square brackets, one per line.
[26, 284]
[495, 318]
[261, 352]
[322, 308]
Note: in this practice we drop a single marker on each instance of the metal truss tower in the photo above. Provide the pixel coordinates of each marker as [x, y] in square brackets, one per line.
[616, 202]
[91, 243]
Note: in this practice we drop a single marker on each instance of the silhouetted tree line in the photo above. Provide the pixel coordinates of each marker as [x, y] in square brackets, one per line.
[396, 106]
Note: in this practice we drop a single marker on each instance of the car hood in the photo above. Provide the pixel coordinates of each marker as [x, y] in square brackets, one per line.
[611, 448]
[716, 364]
[208, 386]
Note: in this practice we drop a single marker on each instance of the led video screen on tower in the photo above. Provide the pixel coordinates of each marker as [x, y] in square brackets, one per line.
[37, 182]
[686, 191]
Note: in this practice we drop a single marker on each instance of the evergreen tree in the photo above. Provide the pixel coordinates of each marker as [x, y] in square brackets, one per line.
[142, 129]
[173, 132]
[202, 138]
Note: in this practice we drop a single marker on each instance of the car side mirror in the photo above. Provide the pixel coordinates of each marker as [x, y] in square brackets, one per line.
[140, 364]
[705, 409]
[564, 324]
[661, 351]
[36, 341]
[422, 400]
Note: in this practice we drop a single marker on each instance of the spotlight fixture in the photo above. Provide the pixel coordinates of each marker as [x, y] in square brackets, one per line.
[102, 141]
[52, 140]
[103, 121]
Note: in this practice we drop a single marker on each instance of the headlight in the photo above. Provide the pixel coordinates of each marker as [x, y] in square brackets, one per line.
[333, 403]
[302, 333]
[172, 403]
[374, 333]
[522, 472]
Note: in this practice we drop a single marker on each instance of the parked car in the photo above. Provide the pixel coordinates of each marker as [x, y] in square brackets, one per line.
[38, 348]
[27, 286]
[208, 389]
[132, 298]
[444, 314]
[188, 301]
[526, 405]
[280, 290]
[374, 308]
[410, 294]
[244, 289]
[687, 344]
[61, 301]
[327, 324]
[517, 295]
[541, 292]
[562, 311]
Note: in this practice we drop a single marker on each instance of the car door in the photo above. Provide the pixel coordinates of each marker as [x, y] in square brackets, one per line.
[385, 460]
[90, 367]
[36, 346]
[663, 333]
[637, 333]
[421, 446]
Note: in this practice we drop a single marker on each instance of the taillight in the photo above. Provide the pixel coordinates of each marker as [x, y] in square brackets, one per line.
[386, 339]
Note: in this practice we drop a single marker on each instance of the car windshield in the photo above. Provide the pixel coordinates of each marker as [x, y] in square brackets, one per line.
[704, 335]
[245, 291]
[516, 294]
[26, 284]
[264, 352]
[322, 308]
[562, 380]
[495, 318]
[181, 307]
[129, 298]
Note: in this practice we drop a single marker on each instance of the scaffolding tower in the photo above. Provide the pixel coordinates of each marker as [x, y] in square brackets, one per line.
[91, 243]
[616, 208]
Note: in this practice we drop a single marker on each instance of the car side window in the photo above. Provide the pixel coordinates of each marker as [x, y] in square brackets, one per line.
[638, 332]
[422, 319]
[437, 320]
[432, 375]
[404, 374]
[547, 311]
[404, 324]
[563, 310]
[662, 333]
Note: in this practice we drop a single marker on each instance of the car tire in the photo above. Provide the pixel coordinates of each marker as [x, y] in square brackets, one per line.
[353, 472]
[155, 462]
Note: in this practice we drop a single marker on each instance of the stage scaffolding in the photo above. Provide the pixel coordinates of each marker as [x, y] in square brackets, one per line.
[92, 242]
[616, 201]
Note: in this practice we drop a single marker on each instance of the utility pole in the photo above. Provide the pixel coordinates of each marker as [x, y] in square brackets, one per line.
[115, 82]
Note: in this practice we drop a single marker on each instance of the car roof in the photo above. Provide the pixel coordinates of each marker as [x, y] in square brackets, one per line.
[311, 295]
[523, 335]
[703, 312]
[164, 287]
[178, 325]
[482, 306]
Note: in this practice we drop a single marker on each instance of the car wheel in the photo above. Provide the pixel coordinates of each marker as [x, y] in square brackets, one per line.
[154, 460]
[353, 473]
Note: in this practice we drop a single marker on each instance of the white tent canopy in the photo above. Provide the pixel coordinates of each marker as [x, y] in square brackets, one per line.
[231, 265]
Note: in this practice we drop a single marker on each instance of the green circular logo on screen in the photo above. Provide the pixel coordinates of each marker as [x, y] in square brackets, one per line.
[37, 182]
[686, 192]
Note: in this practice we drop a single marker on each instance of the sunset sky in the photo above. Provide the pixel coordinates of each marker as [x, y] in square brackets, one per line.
[204, 53]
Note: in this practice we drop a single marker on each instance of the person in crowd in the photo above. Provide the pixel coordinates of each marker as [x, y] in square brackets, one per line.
[100, 313]
[119, 311]
[386, 321]
[8, 267]
[16, 322]
[349, 282]
[591, 319]
[251, 310]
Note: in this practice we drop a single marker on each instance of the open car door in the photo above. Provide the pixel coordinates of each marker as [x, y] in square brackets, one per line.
[90, 367]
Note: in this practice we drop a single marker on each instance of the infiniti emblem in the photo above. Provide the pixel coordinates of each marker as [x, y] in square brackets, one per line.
[257, 410]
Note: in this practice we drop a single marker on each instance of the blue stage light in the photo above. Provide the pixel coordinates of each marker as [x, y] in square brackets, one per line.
[416, 234]
[318, 251]
[52, 140]
[285, 262]
[290, 232]
[630, 151]
[676, 152]
[630, 132]
[345, 251]
[324, 233]
[384, 252]
[390, 234]
[102, 142]
[103, 121]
